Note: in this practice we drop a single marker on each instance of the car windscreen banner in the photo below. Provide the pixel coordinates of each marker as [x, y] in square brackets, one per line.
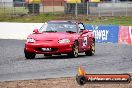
[104, 33]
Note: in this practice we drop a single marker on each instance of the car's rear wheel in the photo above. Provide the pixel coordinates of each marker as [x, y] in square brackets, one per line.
[29, 55]
[92, 50]
[74, 52]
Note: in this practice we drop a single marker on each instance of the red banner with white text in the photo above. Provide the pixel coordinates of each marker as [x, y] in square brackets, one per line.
[124, 35]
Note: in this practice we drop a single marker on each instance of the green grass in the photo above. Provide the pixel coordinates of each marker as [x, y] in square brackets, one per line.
[126, 21]
[22, 16]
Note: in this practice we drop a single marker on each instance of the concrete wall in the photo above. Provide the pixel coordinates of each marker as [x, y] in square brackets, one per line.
[102, 33]
[17, 30]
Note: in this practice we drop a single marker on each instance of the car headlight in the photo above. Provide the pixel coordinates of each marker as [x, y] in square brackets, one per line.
[64, 41]
[30, 40]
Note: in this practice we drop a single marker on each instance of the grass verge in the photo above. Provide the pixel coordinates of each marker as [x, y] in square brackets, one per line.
[105, 20]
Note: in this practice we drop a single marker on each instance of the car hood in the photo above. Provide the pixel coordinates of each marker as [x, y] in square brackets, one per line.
[52, 36]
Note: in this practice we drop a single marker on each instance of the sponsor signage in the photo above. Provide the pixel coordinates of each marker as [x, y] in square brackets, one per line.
[124, 35]
[104, 33]
[130, 33]
[83, 78]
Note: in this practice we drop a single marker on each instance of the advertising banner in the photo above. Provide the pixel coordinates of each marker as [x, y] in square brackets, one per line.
[107, 33]
[130, 32]
[124, 35]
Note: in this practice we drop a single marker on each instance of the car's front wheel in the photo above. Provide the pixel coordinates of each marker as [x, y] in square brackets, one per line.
[74, 52]
[29, 55]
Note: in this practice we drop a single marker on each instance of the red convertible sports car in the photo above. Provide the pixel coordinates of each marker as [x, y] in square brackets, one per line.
[60, 37]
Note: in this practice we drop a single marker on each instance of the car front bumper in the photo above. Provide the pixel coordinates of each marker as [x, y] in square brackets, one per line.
[55, 48]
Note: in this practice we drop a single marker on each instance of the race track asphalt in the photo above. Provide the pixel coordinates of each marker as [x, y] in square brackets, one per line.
[109, 58]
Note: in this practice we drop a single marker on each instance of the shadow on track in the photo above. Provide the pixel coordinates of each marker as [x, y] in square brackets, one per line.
[60, 57]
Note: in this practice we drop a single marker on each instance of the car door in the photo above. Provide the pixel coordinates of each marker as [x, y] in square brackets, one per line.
[83, 38]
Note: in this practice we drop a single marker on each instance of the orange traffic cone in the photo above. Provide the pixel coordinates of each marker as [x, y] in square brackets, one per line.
[81, 71]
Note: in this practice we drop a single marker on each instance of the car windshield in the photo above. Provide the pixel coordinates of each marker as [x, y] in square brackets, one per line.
[59, 27]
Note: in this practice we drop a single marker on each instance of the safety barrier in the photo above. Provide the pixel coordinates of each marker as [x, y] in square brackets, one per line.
[125, 35]
[17, 30]
[107, 33]
[111, 33]
[103, 33]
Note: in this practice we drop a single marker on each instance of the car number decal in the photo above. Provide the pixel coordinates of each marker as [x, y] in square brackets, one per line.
[85, 41]
[46, 49]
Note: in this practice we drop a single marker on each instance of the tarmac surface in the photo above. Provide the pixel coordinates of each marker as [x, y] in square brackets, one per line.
[109, 58]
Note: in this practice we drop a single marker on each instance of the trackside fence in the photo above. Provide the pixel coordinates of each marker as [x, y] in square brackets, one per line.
[86, 8]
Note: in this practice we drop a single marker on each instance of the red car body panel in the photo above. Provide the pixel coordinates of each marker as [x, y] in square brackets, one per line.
[50, 40]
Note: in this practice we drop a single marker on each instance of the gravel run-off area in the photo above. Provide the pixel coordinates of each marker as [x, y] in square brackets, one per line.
[59, 83]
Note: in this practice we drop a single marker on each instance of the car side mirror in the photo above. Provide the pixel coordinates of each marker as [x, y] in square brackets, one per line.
[84, 32]
[35, 31]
